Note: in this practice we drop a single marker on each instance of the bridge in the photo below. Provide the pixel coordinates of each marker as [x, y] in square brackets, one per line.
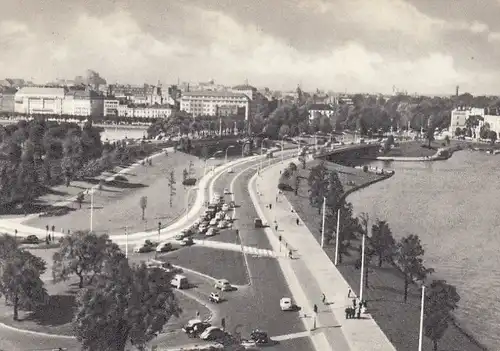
[349, 154]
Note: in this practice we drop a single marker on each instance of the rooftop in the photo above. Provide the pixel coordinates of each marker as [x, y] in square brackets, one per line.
[244, 87]
[214, 94]
[42, 91]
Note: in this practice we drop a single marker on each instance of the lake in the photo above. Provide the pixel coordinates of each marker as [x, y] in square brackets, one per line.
[454, 207]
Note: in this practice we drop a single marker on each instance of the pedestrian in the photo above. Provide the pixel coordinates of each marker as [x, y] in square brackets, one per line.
[323, 298]
[49, 237]
[297, 221]
[353, 312]
[270, 206]
[276, 199]
[354, 303]
[290, 254]
[359, 312]
[197, 314]
[276, 227]
[347, 313]
[349, 293]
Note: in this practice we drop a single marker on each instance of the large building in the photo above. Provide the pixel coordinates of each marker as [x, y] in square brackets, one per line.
[214, 103]
[318, 110]
[142, 95]
[83, 103]
[157, 111]
[256, 98]
[7, 103]
[37, 100]
[110, 107]
[460, 115]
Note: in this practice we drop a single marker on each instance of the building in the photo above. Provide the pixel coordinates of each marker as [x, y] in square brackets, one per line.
[38, 100]
[110, 107]
[318, 110]
[142, 95]
[460, 115]
[83, 103]
[7, 103]
[213, 103]
[256, 98]
[157, 111]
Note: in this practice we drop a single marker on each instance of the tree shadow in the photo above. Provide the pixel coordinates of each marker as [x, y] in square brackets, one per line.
[59, 310]
[116, 183]
[46, 210]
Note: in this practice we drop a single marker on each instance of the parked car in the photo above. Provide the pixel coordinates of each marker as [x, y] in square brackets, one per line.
[179, 281]
[164, 247]
[220, 215]
[215, 297]
[223, 285]
[225, 207]
[286, 304]
[148, 246]
[213, 222]
[212, 333]
[195, 326]
[222, 225]
[179, 237]
[202, 228]
[228, 218]
[31, 239]
[227, 192]
[187, 241]
[260, 337]
[211, 232]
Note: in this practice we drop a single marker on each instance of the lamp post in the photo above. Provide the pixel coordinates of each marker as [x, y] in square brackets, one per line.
[159, 229]
[337, 238]
[126, 242]
[91, 209]
[187, 200]
[323, 223]
[361, 281]
[420, 335]
[227, 148]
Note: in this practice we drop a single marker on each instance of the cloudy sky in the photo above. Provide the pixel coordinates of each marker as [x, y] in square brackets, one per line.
[425, 46]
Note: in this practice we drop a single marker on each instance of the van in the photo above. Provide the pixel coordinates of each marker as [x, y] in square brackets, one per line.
[179, 281]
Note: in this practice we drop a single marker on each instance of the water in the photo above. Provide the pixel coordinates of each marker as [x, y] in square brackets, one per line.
[454, 207]
[113, 133]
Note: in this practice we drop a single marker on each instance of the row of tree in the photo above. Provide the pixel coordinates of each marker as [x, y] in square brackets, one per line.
[407, 253]
[118, 303]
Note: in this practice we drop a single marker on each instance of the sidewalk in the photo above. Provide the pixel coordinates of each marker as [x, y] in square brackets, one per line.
[315, 272]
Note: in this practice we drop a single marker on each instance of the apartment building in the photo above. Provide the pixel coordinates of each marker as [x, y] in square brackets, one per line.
[39, 100]
[83, 103]
[318, 110]
[255, 97]
[214, 103]
[7, 103]
[157, 111]
[137, 95]
[460, 115]
[110, 107]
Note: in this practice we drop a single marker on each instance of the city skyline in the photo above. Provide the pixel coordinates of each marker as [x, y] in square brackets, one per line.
[355, 46]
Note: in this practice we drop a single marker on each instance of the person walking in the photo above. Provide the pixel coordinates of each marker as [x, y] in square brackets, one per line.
[347, 313]
[276, 228]
[290, 254]
[323, 298]
[354, 303]
[349, 293]
[270, 206]
[297, 221]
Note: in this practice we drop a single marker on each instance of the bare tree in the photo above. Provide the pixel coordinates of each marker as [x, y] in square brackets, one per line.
[143, 202]
[171, 184]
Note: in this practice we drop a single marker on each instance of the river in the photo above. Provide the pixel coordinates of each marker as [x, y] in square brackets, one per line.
[454, 207]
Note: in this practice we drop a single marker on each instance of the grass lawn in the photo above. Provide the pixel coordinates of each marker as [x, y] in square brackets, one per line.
[413, 149]
[219, 264]
[399, 321]
[117, 204]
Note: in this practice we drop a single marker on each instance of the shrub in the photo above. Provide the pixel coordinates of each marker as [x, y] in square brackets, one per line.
[189, 181]
[365, 168]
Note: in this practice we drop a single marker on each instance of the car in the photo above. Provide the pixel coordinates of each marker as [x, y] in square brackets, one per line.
[202, 228]
[164, 247]
[212, 333]
[259, 337]
[232, 204]
[179, 281]
[215, 297]
[187, 241]
[227, 192]
[196, 223]
[195, 326]
[179, 237]
[148, 246]
[230, 170]
[225, 207]
[286, 304]
[222, 225]
[211, 232]
[31, 239]
[223, 285]
[213, 222]
[228, 218]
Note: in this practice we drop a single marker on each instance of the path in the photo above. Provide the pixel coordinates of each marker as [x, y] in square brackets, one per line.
[315, 273]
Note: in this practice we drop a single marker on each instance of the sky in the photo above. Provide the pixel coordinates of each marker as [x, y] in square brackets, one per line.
[421, 46]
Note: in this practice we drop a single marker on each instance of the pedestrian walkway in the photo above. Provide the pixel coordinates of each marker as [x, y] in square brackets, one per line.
[315, 272]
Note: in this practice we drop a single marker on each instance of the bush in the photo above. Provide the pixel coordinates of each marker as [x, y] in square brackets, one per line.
[284, 187]
[365, 168]
[189, 181]
[120, 178]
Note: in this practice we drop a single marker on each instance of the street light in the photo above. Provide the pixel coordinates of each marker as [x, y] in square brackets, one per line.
[323, 223]
[337, 238]
[126, 242]
[420, 335]
[361, 281]
[187, 201]
[159, 229]
[227, 148]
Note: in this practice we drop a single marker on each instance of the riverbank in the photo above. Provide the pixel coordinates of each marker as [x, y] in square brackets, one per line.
[385, 291]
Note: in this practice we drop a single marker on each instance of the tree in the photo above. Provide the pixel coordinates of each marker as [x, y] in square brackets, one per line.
[27, 176]
[492, 135]
[185, 174]
[334, 190]
[143, 203]
[82, 254]
[171, 185]
[284, 131]
[318, 185]
[458, 131]
[429, 133]
[127, 304]
[382, 241]
[20, 281]
[79, 198]
[409, 254]
[441, 299]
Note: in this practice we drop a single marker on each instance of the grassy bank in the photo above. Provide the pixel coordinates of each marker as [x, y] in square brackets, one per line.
[385, 291]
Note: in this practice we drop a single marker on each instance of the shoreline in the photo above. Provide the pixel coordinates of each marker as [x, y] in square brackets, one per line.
[350, 276]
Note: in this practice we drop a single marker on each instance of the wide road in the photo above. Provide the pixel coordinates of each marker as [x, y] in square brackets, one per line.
[261, 308]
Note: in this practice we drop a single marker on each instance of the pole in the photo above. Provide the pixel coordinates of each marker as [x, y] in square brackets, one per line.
[361, 282]
[420, 336]
[220, 127]
[225, 158]
[337, 239]
[126, 242]
[282, 146]
[205, 168]
[91, 210]
[323, 223]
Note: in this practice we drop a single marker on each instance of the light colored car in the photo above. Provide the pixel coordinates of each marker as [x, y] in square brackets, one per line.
[215, 297]
[187, 241]
[219, 215]
[222, 225]
[212, 333]
[164, 247]
[230, 170]
[179, 237]
[223, 285]
[228, 218]
[202, 228]
[225, 207]
[227, 192]
[286, 304]
[211, 232]
[213, 222]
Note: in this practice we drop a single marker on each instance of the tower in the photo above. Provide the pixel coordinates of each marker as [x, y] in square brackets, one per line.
[456, 91]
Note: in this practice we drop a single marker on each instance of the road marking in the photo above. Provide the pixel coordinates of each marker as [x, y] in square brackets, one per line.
[291, 336]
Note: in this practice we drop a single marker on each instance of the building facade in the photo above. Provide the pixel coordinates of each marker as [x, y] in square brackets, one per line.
[143, 95]
[37, 100]
[460, 115]
[318, 110]
[83, 103]
[255, 97]
[110, 107]
[7, 100]
[211, 103]
[158, 111]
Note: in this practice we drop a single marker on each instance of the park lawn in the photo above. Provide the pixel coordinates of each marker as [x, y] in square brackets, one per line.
[413, 149]
[399, 321]
[116, 206]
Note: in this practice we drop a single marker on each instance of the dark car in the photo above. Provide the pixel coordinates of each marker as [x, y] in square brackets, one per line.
[32, 239]
[195, 327]
[260, 337]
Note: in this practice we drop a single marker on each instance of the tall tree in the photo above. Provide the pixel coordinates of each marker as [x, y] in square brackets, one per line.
[409, 257]
[318, 185]
[127, 304]
[382, 241]
[143, 203]
[82, 254]
[440, 301]
[20, 281]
